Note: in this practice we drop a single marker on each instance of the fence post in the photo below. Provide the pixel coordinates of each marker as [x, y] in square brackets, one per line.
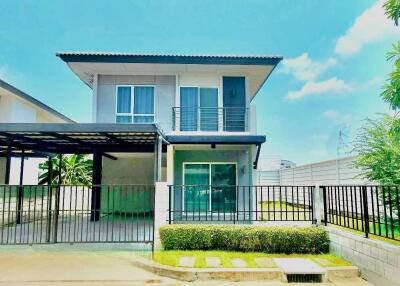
[325, 209]
[162, 202]
[365, 207]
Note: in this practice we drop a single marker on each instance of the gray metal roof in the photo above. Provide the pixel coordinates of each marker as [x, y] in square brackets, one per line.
[169, 58]
[34, 101]
[78, 137]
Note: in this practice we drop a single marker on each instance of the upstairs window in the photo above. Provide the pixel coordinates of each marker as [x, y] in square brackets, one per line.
[135, 104]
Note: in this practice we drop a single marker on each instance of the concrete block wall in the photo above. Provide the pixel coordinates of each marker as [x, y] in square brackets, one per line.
[378, 261]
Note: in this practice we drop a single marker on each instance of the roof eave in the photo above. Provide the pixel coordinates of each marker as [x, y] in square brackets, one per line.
[170, 59]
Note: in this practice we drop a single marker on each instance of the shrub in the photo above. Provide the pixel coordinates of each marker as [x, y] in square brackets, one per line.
[245, 238]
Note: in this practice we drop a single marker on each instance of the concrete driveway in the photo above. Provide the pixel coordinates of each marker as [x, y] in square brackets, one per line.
[99, 264]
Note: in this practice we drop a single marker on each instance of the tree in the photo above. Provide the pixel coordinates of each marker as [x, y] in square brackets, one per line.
[378, 141]
[75, 170]
[391, 92]
[392, 10]
[378, 148]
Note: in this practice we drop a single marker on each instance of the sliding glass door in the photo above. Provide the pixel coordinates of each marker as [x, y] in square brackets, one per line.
[198, 109]
[209, 186]
[223, 190]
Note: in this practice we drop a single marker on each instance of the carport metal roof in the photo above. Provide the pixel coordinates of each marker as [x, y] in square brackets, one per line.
[42, 139]
[39, 138]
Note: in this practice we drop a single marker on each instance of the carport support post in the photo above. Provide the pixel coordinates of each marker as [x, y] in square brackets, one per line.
[157, 158]
[96, 188]
[20, 187]
[8, 165]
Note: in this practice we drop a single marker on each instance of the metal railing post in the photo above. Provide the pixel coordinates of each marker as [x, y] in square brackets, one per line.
[169, 204]
[365, 206]
[324, 198]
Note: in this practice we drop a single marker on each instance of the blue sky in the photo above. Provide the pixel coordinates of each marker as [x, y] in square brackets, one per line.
[330, 80]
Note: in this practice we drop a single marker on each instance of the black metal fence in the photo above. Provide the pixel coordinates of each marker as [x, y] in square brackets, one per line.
[370, 209]
[75, 214]
[237, 204]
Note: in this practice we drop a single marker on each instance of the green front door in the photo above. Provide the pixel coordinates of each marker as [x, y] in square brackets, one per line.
[210, 185]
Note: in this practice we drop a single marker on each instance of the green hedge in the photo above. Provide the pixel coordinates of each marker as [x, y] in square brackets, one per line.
[245, 238]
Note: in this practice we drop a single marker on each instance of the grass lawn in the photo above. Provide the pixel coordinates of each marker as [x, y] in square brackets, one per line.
[281, 210]
[172, 258]
[355, 226]
[372, 236]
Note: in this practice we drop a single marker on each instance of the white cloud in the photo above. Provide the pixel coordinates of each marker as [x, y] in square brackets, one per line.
[331, 114]
[304, 68]
[371, 26]
[336, 116]
[332, 85]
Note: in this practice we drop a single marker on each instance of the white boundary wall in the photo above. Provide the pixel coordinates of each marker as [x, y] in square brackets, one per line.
[331, 172]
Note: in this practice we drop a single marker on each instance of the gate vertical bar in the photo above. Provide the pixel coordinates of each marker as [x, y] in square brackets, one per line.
[57, 199]
[49, 196]
[20, 188]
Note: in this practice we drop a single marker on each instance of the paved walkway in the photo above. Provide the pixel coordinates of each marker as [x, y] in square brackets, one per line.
[100, 264]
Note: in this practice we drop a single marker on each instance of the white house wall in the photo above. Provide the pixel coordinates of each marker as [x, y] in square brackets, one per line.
[164, 96]
[31, 171]
[5, 110]
[14, 109]
[131, 169]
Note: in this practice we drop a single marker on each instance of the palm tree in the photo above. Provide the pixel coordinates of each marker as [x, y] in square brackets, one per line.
[75, 170]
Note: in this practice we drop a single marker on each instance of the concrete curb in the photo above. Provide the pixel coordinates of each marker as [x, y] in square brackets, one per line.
[233, 274]
[204, 274]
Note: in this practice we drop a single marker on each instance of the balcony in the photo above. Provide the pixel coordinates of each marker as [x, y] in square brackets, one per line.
[227, 119]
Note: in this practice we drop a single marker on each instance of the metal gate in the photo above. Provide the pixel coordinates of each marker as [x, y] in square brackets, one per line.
[76, 214]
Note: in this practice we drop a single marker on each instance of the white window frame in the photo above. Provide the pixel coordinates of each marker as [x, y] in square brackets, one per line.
[132, 114]
[198, 101]
[209, 180]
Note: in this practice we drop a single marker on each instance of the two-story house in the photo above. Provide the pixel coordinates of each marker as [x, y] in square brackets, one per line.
[202, 105]
[173, 138]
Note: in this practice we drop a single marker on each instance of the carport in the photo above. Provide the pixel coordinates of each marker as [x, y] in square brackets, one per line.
[87, 204]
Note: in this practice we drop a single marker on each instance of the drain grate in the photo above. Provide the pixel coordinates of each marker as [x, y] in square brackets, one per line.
[305, 278]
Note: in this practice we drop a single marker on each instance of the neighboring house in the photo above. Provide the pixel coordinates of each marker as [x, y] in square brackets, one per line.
[19, 107]
[287, 164]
